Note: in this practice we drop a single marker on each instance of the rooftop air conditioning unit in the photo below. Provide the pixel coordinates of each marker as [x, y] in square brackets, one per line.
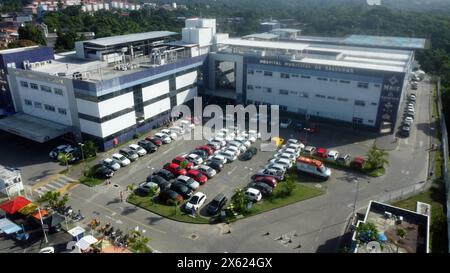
[387, 214]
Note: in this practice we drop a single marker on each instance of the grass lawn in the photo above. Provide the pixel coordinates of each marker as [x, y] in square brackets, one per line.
[90, 181]
[171, 212]
[377, 172]
[300, 193]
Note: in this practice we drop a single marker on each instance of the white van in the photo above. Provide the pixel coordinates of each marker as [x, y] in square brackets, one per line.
[313, 166]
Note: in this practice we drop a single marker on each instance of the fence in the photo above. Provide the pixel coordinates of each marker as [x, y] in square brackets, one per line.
[445, 154]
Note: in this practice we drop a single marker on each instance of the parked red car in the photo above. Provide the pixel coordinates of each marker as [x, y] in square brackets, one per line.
[175, 169]
[358, 162]
[322, 152]
[154, 140]
[269, 180]
[197, 176]
[179, 160]
[206, 148]
[311, 128]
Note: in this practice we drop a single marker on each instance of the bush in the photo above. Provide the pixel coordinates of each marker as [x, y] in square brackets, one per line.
[136, 135]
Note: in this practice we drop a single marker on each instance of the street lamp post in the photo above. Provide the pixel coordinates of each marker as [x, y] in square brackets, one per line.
[82, 152]
[356, 195]
[42, 224]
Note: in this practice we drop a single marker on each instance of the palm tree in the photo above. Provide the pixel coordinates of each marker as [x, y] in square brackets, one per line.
[138, 243]
[65, 159]
[376, 158]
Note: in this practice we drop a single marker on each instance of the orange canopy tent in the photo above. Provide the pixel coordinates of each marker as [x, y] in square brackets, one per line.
[12, 206]
[38, 216]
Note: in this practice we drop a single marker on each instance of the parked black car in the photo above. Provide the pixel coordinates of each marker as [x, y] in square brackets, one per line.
[181, 189]
[162, 183]
[217, 204]
[265, 189]
[164, 174]
[252, 151]
[167, 196]
[103, 172]
[215, 165]
[148, 146]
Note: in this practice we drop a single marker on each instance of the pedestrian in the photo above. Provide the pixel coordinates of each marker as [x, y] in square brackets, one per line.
[121, 196]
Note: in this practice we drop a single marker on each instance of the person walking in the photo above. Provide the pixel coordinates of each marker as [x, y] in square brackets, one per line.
[121, 196]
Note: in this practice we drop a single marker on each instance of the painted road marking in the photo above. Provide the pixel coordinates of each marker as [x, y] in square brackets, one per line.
[232, 170]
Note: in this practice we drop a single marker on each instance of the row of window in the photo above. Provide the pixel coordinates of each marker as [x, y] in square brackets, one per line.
[57, 91]
[47, 107]
[287, 76]
[357, 102]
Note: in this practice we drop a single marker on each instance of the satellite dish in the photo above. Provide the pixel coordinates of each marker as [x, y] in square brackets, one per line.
[373, 247]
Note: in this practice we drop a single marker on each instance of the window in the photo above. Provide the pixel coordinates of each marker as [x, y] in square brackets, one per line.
[49, 108]
[360, 103]
[58, 91]
[249, 102]
[294, 92]
[257, 87]
[370, 121]
[46, 88]
[377, 85]
[34, 86]
[283, 107]
[28, 102]
[303, 94]
[258, 71]
[284, 92]
[267, 89]
[357, 120]
[250, 71]
[330, 98]
[320, 96]
[322, 79]
[306, 77]
[249, 87]
[284, 75]
[363, 85]
[37, 105]
[23, 84]
[333, 80]
[62, 111]
[342, 99]
[374, 103]
[268, 73]
[294, 75]
[343, 81]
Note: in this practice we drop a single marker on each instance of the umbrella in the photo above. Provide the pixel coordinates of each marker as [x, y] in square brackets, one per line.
[39, 214]
[15, 205]
[28, 209]
[382, 237]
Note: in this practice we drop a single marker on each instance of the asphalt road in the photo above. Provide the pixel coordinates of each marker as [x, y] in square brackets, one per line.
[316, 224]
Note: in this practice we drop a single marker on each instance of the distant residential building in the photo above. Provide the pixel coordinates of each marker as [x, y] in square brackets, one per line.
[269, 25]
[10, 181]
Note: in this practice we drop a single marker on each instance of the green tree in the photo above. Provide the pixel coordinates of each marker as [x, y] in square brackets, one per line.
[239, 201]
[54, 199]
[138, 243]
[66, 40]
[32, 33]
[89, 149]
[376, 158]
[286, 188]
[401, 232]
[65, 159]
[366, 232]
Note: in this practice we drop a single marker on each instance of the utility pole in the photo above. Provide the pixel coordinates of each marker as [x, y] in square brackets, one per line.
[356, 195]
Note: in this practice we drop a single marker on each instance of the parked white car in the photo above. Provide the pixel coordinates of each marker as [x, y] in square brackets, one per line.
[122, 160]
[110, 163]
[298, 146]
[333, 155]
[290, 157]
[282, 161]
[194, 158]
[234, 150]
[138, 149]
[253, 194]
[230, 156]
[219, 158]
[291, 151]
[219, 140]
[171, 134]
[196, 201]
[177, 130]
[243, 141]
[275, 166]
[164, 138]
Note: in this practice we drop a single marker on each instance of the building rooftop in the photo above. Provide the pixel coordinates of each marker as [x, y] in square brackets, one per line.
[291, 30]
[19, 49]
[386, 218]
[261, 36]
[129, 38]
[325, 54]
